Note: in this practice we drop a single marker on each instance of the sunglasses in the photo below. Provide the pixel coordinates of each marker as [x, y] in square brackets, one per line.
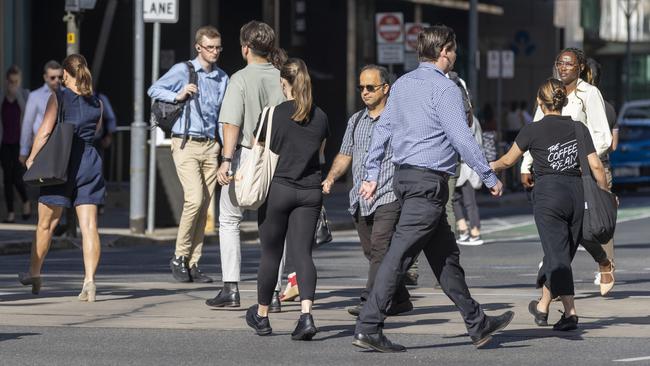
[369, 88]
[56, 77]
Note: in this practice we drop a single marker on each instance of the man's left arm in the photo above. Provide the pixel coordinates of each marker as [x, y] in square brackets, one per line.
[454, 124]
[597, 121]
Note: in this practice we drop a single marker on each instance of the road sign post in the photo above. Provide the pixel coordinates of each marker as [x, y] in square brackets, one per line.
[156, 12]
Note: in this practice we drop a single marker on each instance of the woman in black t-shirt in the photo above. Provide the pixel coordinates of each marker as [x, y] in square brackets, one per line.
[558, 198]
[293, 204]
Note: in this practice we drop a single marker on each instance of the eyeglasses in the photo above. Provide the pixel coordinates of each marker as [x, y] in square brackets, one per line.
[369, 88]
[568, 65]
[212, 48]
[60, 77]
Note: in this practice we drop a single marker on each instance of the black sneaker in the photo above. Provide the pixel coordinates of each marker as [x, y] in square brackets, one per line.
[493, 324]
[377, 341]
[275, 306]
[305, 329]
[197, 276]
[260, 324]
[566, 323]
[179, 269]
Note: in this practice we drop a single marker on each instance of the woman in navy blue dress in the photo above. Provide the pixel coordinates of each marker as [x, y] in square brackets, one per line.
[85, 187]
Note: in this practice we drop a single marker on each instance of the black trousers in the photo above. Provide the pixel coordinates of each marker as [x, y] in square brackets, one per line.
[375, 232]
[290, 214]
[12, 171]
[465, 206]
[558, 205]
[422, 226]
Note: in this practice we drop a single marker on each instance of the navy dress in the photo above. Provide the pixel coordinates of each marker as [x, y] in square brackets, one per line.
[85, 185]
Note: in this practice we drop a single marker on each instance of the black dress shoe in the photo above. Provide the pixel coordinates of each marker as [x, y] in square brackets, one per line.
[305, 329]
[356, 310]
[179, 269]
[401, 308]
[275, 306]
[541, 319]
[566, 323]
[377, 341]
[197, 276]
[228, 296]
[493, 324]
[260, 324]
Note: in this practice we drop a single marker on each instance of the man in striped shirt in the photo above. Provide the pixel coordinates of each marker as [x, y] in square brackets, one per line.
[375, 220]
[426, 125]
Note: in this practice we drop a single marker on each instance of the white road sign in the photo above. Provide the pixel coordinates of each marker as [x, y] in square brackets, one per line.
[161, 11]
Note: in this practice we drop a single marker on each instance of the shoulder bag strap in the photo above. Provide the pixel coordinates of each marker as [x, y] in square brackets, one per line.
[269, 126]
[356, 123]
[582, 155]
[188, 110]
[60, 112]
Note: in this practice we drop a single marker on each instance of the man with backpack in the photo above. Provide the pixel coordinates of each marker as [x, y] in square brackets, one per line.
[199, 86]
[375, 220]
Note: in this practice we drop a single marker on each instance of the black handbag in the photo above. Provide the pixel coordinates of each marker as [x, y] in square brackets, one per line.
[323, 232]
[167, 113]
[599, 221]
[50, 166]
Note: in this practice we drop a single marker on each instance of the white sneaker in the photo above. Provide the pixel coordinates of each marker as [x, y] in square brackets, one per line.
[597, 279]
[471, 241]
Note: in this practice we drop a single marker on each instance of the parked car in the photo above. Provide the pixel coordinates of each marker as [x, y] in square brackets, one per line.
[630, 162]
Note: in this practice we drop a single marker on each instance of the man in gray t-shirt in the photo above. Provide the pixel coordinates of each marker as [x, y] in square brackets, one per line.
[249, 91]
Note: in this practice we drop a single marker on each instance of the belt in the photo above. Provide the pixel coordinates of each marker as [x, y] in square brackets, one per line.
[421, 169]
[193, 138]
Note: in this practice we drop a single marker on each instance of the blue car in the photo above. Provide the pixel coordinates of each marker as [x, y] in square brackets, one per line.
[630, 162]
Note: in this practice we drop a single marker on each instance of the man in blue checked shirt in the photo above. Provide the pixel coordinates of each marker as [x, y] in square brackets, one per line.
[375, 220]
[425, 123]
[196, 162]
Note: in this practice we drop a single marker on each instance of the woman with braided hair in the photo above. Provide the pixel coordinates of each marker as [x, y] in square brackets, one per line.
[584, 104]
[558, 197]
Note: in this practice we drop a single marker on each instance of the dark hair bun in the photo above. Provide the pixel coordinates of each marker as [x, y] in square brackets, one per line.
[559, 99]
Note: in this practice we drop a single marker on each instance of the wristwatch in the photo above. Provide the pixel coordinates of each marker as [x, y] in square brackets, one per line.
[224, 159]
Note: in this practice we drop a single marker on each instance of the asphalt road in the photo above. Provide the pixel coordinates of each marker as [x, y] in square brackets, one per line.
[143, 318]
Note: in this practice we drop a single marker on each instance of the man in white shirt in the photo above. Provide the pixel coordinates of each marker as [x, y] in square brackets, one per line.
[35, 107]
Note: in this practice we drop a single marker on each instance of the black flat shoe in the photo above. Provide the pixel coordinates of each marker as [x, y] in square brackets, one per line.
[356, 310]
[260, 324]
[305, 329]
[493, 324]
[566, 323]
[197, 276]
[225, 298]
[401, 308]
[378, 342]
[541, 319]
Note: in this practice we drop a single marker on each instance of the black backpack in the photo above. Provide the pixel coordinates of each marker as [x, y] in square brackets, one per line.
[166, 114]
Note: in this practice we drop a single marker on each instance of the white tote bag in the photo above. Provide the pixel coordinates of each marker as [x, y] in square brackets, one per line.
[253, 178]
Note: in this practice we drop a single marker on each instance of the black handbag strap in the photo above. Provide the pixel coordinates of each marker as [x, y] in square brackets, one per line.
[193, 80]
[59, 106]
[582, 149]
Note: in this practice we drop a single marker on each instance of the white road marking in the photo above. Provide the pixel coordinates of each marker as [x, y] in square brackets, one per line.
[633, 359]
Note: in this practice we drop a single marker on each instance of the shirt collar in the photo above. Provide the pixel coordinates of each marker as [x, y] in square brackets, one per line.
[429, 65]
[199, 68]
[367, 115]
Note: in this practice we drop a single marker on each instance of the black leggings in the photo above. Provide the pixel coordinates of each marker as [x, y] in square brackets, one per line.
[292, 214]
[12, 171]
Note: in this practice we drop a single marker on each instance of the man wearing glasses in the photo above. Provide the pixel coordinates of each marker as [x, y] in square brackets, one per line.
[375, 220]
[195, 145]
[35, 107]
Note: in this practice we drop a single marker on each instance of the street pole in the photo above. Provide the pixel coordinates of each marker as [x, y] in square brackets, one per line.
[138, 127]
[473, 50]
[628, 52]
[151, 201]
[351, 69]
[72, 34]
